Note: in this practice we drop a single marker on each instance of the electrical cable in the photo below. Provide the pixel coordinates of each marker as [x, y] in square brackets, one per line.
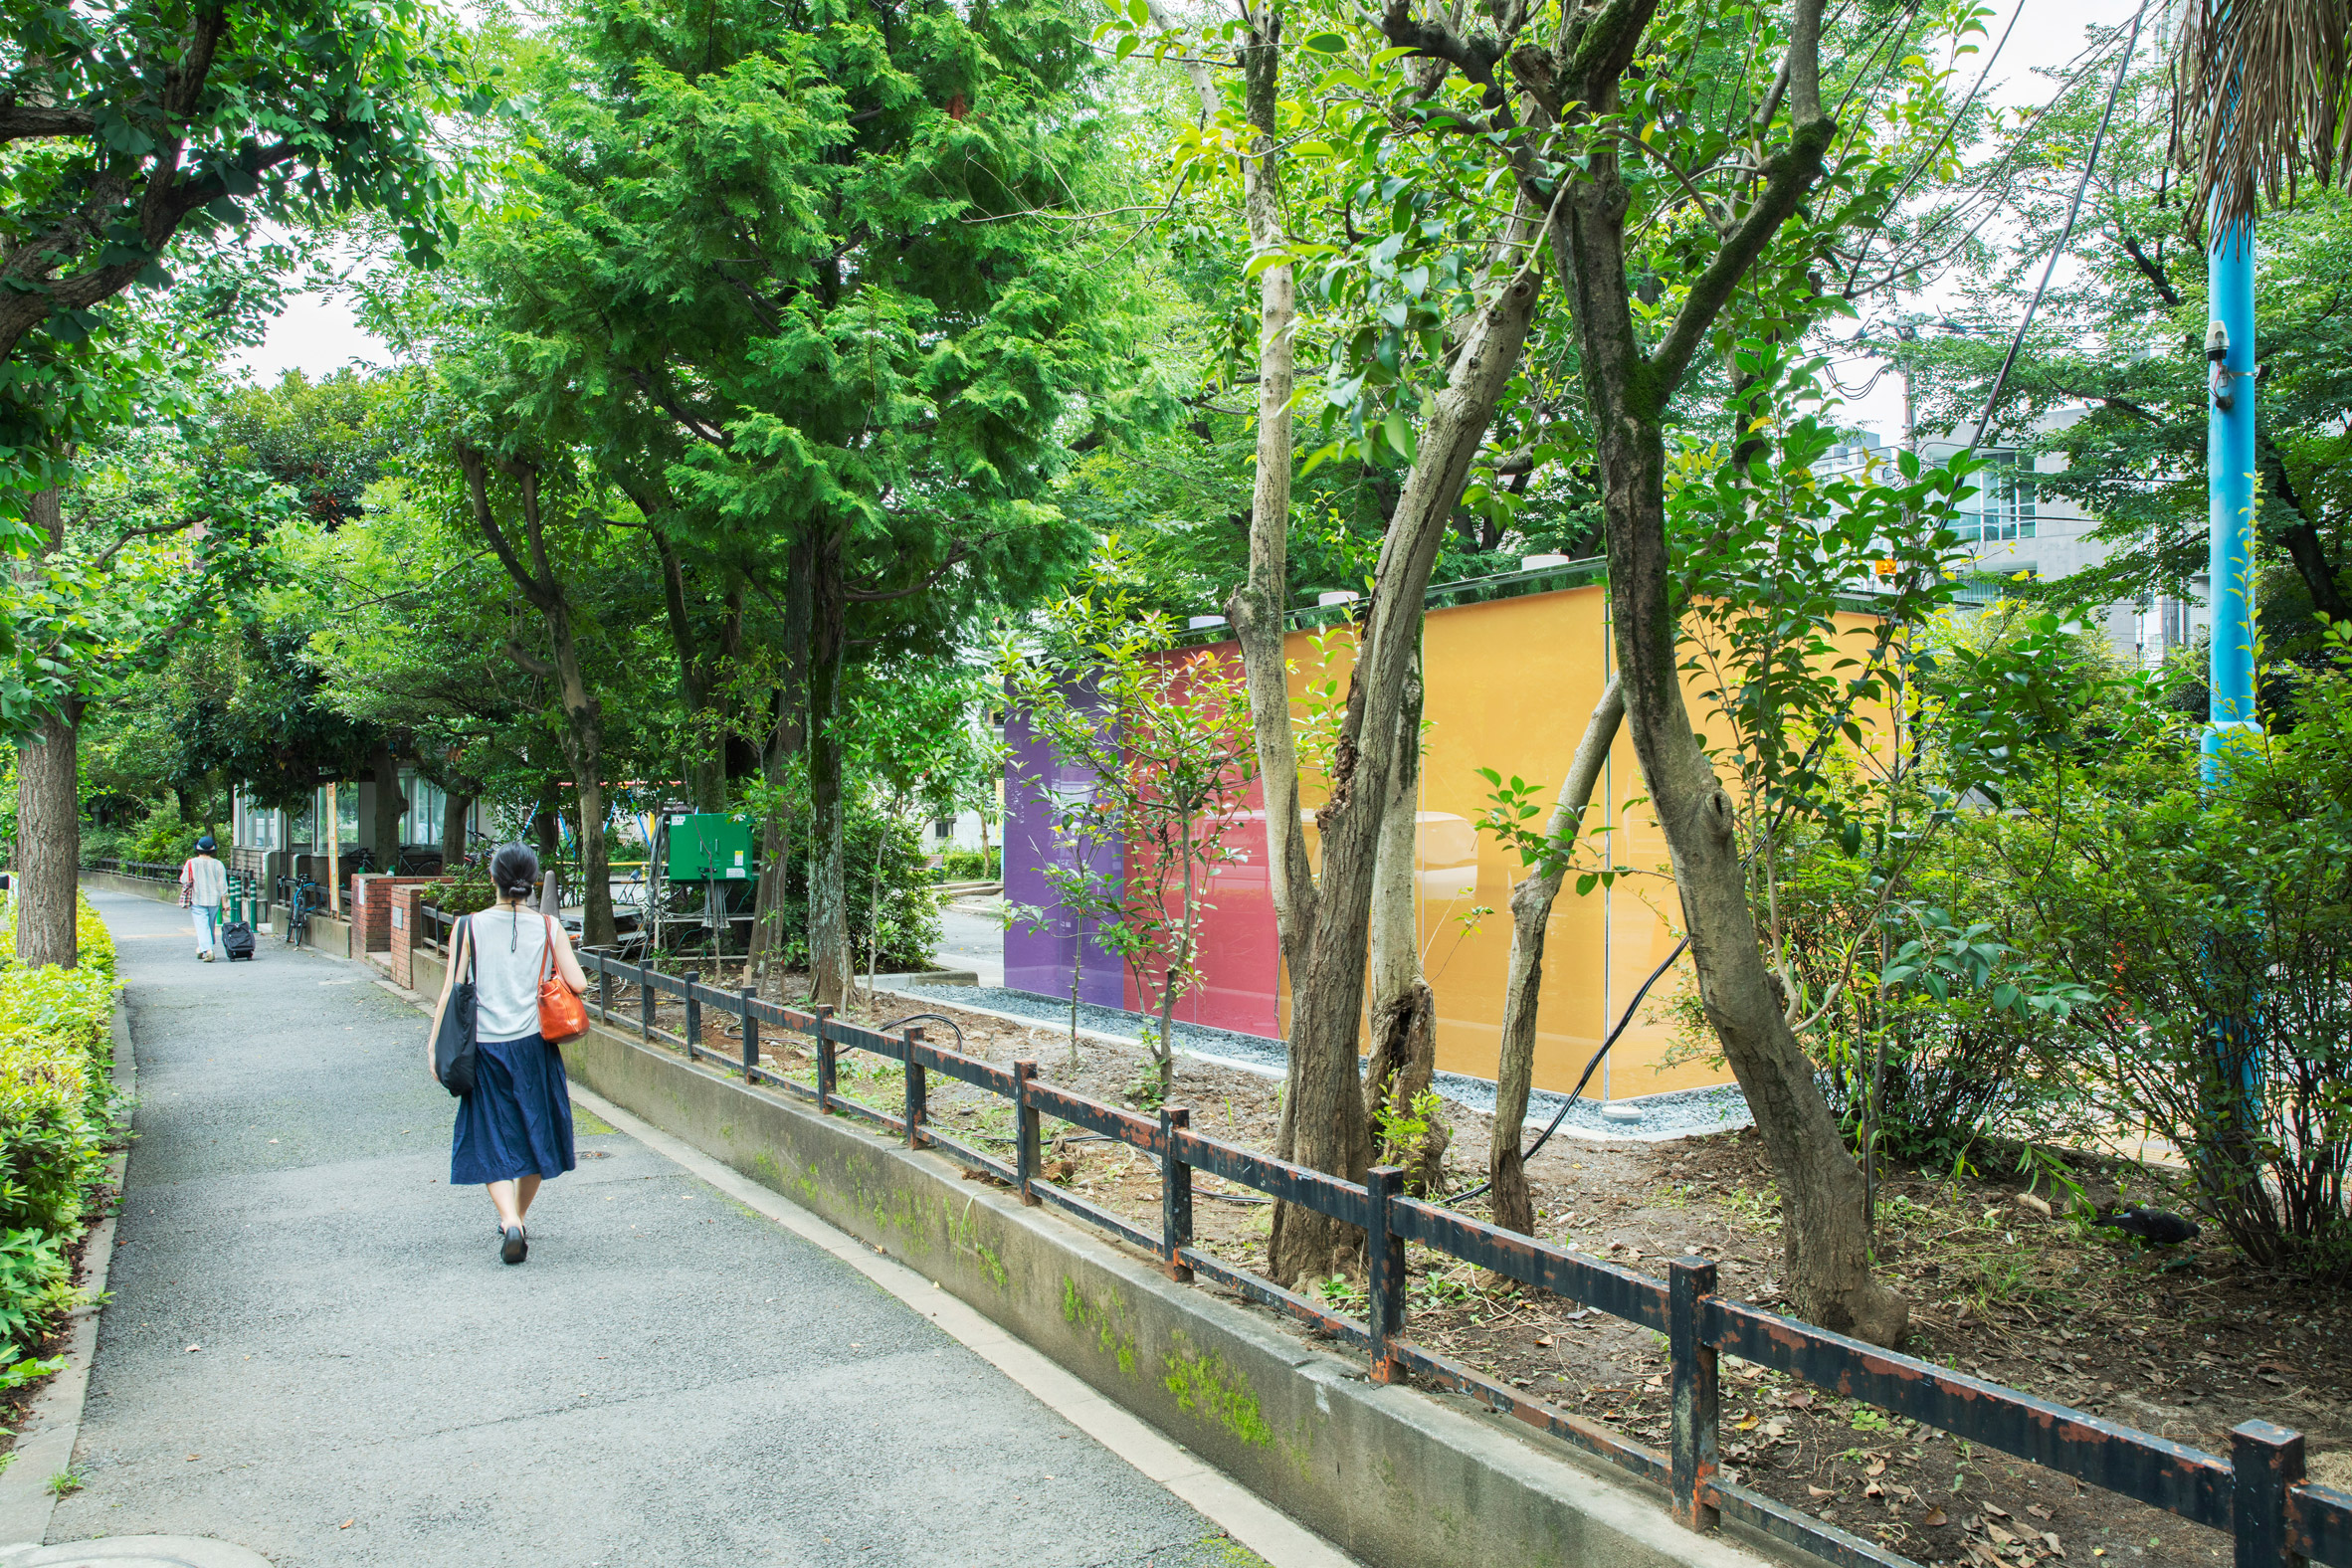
[883, 1029]
[2066, 235]
[1934, 152]
[1624, 1022]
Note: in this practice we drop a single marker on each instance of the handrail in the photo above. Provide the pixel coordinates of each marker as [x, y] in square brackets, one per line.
[2259, 1494]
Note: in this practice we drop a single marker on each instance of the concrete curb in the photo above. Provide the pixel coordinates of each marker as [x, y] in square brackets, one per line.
[141, 1551]
[45, 1443]
[1390, 1474]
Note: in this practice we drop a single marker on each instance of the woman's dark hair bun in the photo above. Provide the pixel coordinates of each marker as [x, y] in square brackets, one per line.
[515, 871]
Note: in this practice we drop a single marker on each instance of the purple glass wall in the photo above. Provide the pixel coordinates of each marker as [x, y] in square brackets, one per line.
[1042, 960]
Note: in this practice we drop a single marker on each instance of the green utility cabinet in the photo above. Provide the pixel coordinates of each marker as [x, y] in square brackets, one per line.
[707, 845]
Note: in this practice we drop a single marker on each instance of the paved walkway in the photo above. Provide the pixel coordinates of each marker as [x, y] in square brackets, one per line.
[311, 1349]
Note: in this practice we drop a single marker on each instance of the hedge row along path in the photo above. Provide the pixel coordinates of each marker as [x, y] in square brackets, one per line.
[312, 1352]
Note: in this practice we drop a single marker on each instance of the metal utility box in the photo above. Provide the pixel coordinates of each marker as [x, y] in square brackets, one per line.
[709, 847]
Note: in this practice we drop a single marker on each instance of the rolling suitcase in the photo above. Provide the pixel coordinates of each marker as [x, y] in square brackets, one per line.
[237, 940]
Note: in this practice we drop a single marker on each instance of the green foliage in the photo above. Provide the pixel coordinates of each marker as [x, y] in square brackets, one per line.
[162, 123]
[2217, 921]
[36, 1285]
[1160, 746]
[57, 1114]
[893, 900]
[957, 865]
[2117, 357]
[464, 891]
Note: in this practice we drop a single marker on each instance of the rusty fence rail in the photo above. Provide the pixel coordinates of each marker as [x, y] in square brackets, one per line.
[2259, 1495]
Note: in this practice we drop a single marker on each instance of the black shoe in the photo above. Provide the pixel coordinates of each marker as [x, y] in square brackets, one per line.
[513, 1249]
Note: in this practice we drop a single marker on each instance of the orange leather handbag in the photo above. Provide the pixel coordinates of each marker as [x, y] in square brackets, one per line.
[563, 1015]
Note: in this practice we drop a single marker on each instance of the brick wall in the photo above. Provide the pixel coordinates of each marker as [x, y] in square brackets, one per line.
[402, 940]
[371, 910]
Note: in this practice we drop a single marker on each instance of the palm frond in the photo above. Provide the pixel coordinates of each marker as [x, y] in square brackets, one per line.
[2259, 101]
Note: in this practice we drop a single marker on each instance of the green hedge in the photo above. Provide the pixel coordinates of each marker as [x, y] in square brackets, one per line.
[58, 1114]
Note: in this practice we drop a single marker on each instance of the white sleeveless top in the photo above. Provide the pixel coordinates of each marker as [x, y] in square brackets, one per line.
[511, 954]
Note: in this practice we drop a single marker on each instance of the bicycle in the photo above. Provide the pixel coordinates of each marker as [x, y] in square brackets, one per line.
[300, 901]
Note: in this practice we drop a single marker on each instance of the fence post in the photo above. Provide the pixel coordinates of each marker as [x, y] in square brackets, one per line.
[644, 999]
[1025, 1135]
[2265, 1461]
[1175, 1194]
[694, 1017]
[604, 987]
[1690, 1282]
[916, 1088]
[751, 1033]
[824, 1060]
[1384, 1256]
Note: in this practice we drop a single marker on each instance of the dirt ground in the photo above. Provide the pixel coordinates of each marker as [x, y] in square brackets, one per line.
[2183, 1342]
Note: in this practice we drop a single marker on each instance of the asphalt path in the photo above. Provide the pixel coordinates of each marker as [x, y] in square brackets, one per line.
[313, 1350]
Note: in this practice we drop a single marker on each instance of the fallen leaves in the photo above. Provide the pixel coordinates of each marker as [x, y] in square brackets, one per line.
[1935, 1520]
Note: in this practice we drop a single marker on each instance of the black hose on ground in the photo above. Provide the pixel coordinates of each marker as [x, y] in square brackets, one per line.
[1590, 1067]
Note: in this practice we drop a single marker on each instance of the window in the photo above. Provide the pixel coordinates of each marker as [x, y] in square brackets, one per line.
[421, 823]
[2001, 510]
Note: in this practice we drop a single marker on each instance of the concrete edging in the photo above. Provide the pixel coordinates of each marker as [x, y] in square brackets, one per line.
[52, 1426]
[1396, 1477]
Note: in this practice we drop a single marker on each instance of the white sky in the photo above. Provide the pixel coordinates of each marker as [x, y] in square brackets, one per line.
[317, 334]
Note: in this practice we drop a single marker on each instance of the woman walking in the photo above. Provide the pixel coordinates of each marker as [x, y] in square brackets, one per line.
[204, 886]
[515, 1130]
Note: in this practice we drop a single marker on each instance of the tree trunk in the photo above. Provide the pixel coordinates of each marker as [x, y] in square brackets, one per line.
[583, 715]
[701, 677]
[1394, 931]
[1408, 1026]
[1403, 1021]
[787, 733]
[832, 966]
[1513, 1206]
[456, 807]
[1258, 606]
[546, 825]
[585, 726]
[1323, 1109]
[1627, 391]
[389, 806]
[48, 842]
[48, 798]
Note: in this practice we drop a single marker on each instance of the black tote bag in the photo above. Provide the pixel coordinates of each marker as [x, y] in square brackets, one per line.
[453, 1047]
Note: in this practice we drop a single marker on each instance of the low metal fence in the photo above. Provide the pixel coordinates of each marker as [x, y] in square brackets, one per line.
[2259, 1495]
[144, 870]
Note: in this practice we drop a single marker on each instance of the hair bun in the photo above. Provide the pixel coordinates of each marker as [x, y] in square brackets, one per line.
[515, 871]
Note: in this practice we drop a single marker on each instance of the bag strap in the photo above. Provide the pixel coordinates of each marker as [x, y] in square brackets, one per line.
[465, 941]
[549, 972]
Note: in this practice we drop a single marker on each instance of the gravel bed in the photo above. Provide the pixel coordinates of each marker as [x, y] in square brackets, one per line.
[1674, 1114]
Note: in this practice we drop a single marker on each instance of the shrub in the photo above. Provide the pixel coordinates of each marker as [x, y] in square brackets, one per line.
[56, 1111]
[463, 891]
[878, 851]
[959, 865]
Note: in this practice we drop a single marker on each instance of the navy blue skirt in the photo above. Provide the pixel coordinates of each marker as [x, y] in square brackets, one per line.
[519, 1120]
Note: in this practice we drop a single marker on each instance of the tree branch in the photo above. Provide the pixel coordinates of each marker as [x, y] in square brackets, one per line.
[1786, 179]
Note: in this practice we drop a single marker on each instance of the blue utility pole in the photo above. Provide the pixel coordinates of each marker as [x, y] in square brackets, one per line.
[2230, 564]
[2230, 478]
